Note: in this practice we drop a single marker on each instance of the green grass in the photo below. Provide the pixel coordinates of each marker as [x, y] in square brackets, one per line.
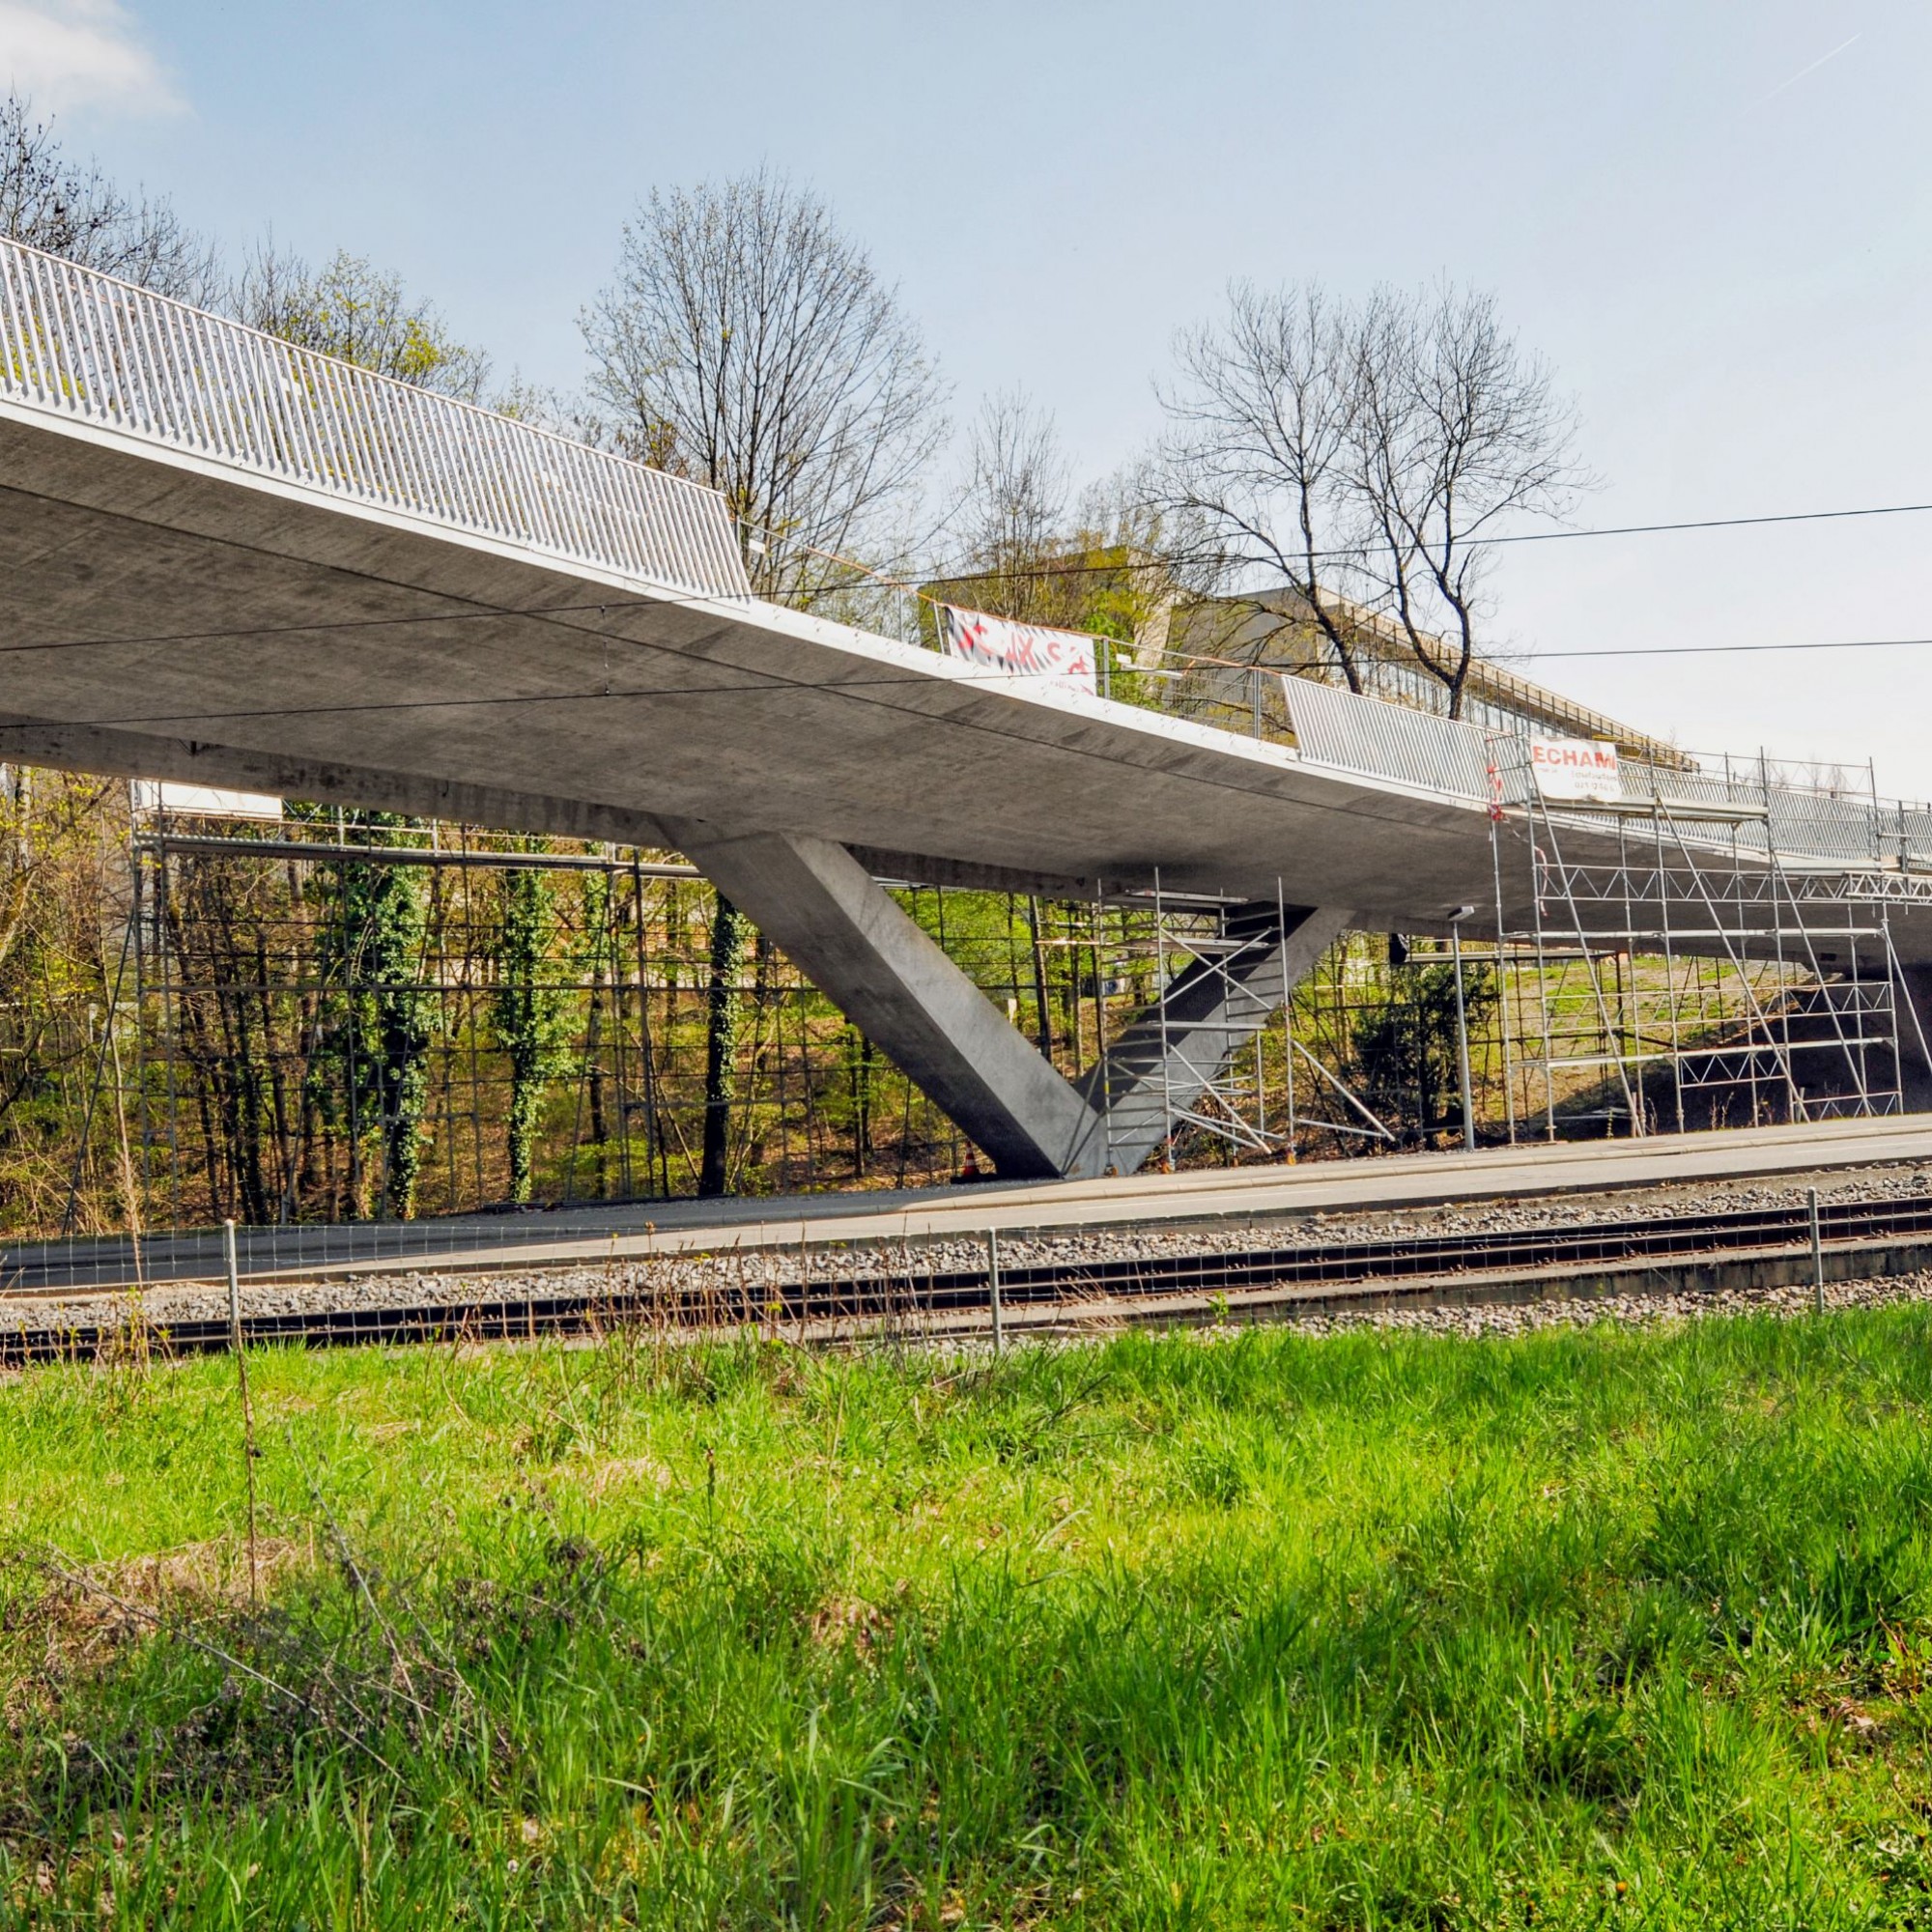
[1590, 1627]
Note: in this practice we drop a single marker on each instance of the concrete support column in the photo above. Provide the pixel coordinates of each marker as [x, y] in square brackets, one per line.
[833, 919]
[1166, 1060]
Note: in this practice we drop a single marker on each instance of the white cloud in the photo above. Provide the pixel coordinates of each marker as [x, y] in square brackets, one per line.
[79, 54]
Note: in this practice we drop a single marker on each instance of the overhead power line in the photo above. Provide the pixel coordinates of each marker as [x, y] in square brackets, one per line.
[604, 605]
[143, 640]
[1726, 650]
[238, 632]
[1706, 523]
[1074, 569]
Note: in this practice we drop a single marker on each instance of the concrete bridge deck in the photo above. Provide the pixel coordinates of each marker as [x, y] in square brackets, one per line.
[202, 596]
[225, 561]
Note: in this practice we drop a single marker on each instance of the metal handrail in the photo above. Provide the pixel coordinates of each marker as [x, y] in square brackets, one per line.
[80, 344]
[1743, 811]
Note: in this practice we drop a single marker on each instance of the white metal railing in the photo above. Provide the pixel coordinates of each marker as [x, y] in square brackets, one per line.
[1394, 741]
[1383, 740]
[80, 344]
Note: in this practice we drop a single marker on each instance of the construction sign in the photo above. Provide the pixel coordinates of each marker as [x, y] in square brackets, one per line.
[1576, 768]
[1018, 650]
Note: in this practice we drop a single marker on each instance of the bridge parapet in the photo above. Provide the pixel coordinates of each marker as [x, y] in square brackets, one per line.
[1747, 809]
[79, 343]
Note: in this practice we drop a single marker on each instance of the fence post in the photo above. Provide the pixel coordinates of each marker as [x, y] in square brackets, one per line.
[993, 1289]
[234, 1286]
[247, 1407]
[1817, 1252]
[1462, 1028]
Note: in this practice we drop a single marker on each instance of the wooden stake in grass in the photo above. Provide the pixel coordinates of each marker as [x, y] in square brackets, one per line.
[247, 1407]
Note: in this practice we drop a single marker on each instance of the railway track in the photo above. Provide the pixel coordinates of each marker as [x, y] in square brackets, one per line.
[1666, 1254]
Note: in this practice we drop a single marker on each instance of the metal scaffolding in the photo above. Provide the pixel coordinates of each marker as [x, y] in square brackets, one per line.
[1708, 976]
[1215, 1053]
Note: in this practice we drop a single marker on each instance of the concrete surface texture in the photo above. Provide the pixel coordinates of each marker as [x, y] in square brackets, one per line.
[166, 615]
[173, 611]
[894, 983]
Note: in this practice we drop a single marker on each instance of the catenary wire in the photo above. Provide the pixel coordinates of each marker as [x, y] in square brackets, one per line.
[775, 683]
[603, 606]
[1071, 569]
[1728, 650]
[232, 632]
[148, 639]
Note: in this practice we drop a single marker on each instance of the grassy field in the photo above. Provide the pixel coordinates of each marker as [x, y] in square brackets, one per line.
[1587, 1628]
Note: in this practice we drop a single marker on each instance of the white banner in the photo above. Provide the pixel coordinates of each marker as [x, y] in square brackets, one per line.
[193, 800]
[1017, 650]
[1575, 768]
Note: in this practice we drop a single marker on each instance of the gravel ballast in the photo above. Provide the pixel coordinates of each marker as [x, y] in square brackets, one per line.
[733, 1276]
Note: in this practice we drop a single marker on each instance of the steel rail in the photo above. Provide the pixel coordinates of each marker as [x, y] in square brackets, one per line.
[1310, 1277]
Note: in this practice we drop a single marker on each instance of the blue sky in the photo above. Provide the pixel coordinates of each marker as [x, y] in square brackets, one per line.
[1713, 219]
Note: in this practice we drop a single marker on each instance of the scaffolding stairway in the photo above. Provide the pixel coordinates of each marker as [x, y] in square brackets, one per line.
[1181, 1063]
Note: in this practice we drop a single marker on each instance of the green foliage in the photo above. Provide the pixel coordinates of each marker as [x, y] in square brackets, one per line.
[531, 1011]
[57, 871]
[349, 309]
[1403, 1045]
[730, 940]
[1588, 1629]
[380, 1016]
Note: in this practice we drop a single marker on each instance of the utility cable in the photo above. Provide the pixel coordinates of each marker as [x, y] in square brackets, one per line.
[1072, 569]
[776, 682]
[1726, 650]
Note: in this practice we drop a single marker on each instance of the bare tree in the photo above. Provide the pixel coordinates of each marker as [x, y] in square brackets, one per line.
[1012, 503]
[1253, 472]
[1456, 432]
[747, 343]
[68, 207]
[1359, 457]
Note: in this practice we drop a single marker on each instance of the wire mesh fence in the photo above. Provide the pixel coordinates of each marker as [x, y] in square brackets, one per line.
[949, 1291]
